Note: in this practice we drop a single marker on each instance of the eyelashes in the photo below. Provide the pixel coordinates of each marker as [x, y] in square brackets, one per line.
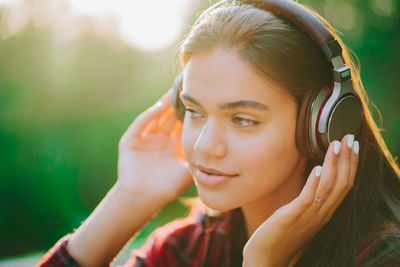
[192, 113]
[238, 122]
[246, 123]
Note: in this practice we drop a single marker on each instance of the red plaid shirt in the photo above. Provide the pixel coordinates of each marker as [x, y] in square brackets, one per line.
[197, 240]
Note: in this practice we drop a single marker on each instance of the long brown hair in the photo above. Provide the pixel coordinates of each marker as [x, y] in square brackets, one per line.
[284, 55]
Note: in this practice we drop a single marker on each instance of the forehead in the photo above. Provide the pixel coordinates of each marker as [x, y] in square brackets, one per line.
[224, 75]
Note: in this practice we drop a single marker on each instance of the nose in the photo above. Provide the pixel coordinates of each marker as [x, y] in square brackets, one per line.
[210, 141]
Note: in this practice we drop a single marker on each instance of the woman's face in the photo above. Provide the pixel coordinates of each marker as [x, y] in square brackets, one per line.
[238, 123]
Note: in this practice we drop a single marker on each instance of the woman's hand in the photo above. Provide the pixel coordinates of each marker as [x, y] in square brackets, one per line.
[151, 160]
[151, 173]
[282, 237]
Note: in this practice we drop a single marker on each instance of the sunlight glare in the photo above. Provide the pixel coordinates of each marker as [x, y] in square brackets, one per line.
[148, 25]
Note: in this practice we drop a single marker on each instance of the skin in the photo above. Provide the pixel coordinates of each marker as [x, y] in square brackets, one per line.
[280, 211]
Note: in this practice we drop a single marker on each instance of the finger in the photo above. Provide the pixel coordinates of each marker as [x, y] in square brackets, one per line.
[140, 123]
[180, 152]
[342, 184]
[168, 122]
[157, 123]
[306, 197]
[151, 127]
[354, 161]
[177, 131]
[349, 180]
[329, 170]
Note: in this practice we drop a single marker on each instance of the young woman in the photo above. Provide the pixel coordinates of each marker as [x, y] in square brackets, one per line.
[247, 73]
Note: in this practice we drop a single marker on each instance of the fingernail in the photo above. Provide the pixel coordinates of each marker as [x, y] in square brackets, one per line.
[318, 171]
[156, 105]
[336, 147]
[350, 140]
[356, 147]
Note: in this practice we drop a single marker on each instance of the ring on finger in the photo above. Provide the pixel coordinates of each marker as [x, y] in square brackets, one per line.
[319, 200]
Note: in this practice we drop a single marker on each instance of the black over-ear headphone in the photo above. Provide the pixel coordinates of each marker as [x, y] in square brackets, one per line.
[328, 114]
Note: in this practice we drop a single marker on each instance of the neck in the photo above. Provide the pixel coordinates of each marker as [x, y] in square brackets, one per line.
[257, 212]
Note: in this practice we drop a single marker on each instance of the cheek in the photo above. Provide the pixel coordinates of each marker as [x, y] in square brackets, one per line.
[269, 153]
[269, 156]
[258, 153]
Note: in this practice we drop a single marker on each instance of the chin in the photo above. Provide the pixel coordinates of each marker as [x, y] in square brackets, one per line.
[216, 200]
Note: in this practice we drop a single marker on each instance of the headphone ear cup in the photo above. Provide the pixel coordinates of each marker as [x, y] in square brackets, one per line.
[176, 101]
[306, 126]
[344, 117]
[317, 147]
[302, 126]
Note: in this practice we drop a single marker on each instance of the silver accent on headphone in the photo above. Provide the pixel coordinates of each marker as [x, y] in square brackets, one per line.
[314, 110]
[339, 89]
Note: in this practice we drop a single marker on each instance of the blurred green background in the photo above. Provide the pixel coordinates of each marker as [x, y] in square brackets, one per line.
[74, 74]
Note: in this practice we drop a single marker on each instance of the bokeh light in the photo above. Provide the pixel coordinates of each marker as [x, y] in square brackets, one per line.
[149, 25]
[146, 25]
[383, 8]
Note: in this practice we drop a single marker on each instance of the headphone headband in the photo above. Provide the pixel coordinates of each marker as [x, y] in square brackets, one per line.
[298, 16]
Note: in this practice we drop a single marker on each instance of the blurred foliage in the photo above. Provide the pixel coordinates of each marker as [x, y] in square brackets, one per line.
[64, 106]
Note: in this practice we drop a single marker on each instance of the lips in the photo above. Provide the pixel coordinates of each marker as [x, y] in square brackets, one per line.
[209, 177]
[214, 171]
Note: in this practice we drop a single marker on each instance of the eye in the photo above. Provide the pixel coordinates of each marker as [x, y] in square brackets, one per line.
[238, 122]
[244, 123]
[193, 113]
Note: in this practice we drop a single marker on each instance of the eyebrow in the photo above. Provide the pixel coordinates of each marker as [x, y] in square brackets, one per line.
[231, 105]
